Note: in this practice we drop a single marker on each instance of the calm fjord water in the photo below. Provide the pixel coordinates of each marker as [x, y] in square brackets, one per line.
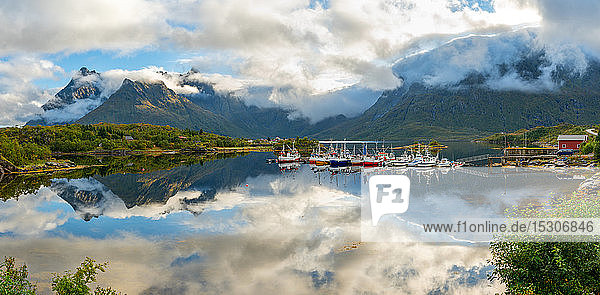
[241, 226]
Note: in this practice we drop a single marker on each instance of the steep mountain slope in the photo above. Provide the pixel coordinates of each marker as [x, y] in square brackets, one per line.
[154, 103]
[80, 96]
[256, 121]
[80, 87]
[471, 108]
[222, 113]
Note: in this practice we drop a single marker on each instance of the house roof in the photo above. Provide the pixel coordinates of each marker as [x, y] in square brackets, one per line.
[572, 137]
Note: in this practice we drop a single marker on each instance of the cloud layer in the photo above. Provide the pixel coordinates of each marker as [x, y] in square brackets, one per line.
[20, 99]
[301, 50]
[450, 63]
[296, 53]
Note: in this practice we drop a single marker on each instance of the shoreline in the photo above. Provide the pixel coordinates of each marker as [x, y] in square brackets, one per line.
[211, 151]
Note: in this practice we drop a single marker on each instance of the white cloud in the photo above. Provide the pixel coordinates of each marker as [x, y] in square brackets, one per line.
[572, 22]
[40, 26]
[451, 62]
[319, 50]
[20, 99]
[112, 80]
[26, 217]
[295, 54]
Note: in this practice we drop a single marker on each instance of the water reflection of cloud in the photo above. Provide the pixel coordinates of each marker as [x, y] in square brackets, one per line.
[289, 244]
[290, 262]
[33, 214]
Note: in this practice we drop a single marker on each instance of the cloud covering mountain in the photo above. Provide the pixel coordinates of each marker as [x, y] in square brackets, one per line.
[516, 60]
[297, 54]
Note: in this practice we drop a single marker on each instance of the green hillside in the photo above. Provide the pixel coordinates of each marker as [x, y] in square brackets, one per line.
[472, 111]
[537, 135]
[154, 103]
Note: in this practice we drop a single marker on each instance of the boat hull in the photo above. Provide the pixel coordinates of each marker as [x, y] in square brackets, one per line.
[317, 162]
[339, 163]
[287, 160]
[398, 164]
[425, 164]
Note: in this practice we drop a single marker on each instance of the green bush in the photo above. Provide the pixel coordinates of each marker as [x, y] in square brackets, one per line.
[30, 144]
[597, 147]
[527, 267]
[588, 147]
[21, 154]
[77, 283]
[547, 268]
[13, 279]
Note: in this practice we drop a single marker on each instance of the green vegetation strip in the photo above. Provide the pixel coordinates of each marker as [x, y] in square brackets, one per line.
[537, 135]
[35, 145]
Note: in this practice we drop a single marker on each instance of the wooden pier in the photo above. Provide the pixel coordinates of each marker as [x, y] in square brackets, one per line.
[514, 154]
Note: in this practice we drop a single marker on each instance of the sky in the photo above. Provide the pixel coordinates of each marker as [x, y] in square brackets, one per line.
[303, 52]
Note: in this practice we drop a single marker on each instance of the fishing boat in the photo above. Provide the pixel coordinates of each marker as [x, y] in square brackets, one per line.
[291, 156]
[444, 162]
[416, 160]
[339, 161]
[428, 160]
[401, 161]
[318, 158]
[356, 159]
[341, 158]
[370, 161]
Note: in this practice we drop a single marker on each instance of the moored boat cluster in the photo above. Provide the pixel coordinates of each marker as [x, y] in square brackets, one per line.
[340, 156]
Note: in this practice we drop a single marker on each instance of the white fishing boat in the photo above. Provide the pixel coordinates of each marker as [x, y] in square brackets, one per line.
[401, 161]
[444, 162]
[290, 156]
[428, 160]
[416, 160]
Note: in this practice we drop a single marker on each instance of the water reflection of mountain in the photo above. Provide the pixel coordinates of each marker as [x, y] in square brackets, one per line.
[97, 195]
[208, 177]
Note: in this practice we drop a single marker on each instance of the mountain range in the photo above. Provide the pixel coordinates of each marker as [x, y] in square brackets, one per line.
[441, 97]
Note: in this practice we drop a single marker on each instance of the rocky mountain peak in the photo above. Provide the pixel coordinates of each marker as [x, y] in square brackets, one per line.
[76, 89]
[86, 72]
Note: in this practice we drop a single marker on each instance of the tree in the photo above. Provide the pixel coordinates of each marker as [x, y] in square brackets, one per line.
[77, 283]
[13, 279]
[571, 266]
[588, 147]
[547, 268]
